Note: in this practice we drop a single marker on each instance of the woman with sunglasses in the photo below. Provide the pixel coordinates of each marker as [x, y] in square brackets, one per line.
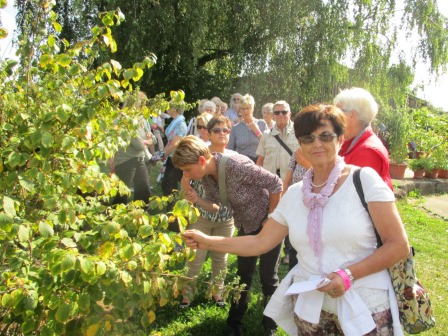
[212, 223]
[252, 193]
[350, 290]
[202, 121]
[245, 136]
[233, 113]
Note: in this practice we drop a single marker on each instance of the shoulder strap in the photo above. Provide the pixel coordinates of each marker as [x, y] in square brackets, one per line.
[283, 144]
[360, 191]
[222, 179]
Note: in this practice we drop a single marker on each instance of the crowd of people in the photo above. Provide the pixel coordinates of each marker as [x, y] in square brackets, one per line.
[286, 181]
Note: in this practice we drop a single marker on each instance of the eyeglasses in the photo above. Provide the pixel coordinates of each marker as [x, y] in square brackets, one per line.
[235, 99]
[324, 137]
[218, 130]
[201, 127]
[282, 112]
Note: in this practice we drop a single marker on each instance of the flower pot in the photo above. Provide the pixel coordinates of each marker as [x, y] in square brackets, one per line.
[432, 174]
[396, 170]
[418, 174]
[443, 173]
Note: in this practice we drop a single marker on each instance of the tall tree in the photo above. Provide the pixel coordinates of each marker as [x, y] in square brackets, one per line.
[293, 49]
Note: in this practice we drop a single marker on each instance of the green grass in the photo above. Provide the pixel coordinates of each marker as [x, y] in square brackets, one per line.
[427, 234]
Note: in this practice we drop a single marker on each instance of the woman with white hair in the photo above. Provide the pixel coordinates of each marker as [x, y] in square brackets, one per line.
[362, 147]
[234, 108]
[268, 113]
[245, 136]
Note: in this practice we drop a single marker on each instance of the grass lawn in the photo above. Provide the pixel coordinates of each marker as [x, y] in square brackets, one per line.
[427, 234]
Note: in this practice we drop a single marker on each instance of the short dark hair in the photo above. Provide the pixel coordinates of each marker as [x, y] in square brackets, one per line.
[311, 117]
[218, 120]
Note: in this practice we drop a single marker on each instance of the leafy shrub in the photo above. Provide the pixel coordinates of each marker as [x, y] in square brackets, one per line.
[69, 262]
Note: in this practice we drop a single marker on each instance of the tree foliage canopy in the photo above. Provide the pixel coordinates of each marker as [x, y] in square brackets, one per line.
[302, 51]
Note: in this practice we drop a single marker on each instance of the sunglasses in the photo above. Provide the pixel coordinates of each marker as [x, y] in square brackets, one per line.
[218, 130]
[201, 127]
[282, 112]
[324, 137]
[235, 99]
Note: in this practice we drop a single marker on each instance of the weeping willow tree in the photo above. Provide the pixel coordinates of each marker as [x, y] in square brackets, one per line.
[302, 51]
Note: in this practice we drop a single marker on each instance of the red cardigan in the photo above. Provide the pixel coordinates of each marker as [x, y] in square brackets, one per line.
[368, 151]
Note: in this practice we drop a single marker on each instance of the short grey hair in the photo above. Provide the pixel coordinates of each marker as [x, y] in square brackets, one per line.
[282, 102]
[208, 104]
[267, 108]
[360, 101]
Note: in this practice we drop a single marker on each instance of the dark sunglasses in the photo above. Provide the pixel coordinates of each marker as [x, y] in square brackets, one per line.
[201, 127]
[218, 130]
[282, 112]
[324, 137]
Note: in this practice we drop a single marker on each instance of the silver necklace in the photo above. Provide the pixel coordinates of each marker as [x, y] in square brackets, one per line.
[318, 185]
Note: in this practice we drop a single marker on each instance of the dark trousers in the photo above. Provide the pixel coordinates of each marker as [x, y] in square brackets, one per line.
[171, 178]
[268, 268]
[134, 170]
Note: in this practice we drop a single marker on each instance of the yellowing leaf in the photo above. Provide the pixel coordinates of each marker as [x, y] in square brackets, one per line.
[151, 316]
[92, 329]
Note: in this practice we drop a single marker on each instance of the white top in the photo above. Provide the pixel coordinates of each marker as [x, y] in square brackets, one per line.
[347, 237]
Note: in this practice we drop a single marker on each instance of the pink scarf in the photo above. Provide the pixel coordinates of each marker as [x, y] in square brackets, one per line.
[316, 203]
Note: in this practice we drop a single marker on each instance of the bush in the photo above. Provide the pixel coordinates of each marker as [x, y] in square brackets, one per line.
[69, 262]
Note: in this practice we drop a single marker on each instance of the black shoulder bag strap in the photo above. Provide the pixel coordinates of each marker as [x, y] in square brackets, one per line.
[280, 141]
[360, 191]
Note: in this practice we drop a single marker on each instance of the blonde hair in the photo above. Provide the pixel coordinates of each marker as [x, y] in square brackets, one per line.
[189, 150]
[248, 99]
[205, 118]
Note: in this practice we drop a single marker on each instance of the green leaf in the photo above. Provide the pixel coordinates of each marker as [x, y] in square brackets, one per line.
[63, 59]
[24, 233]
[102, 91]
[87, 266]
[7, 300]
[68, 242]
[28, 325]
[57, 27]
[63, 313]
[47, 139]
[100, 268]
[128, 74]
[145, 231]
[127, 252]
[14, 159]
[68, 262]
[45, 229]
[8, 206]
[138, 73]
[84, 302]
[26, 184]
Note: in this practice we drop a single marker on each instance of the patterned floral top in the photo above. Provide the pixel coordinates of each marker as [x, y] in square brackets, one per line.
[297, 170]
[248, 188]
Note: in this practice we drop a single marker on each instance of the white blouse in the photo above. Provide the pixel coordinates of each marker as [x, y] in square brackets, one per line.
[347, 237]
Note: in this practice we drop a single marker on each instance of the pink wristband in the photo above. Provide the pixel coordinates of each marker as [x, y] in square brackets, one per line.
[345, 277]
